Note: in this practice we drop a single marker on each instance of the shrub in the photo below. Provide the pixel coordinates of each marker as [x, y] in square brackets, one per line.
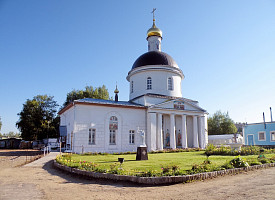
[114, 168]
[165, 170]
[176, 150]
[253, 161]
[224, 150]
[99, 170]
[272, 159]
[238, 162]
[210, 149]
[207, 161]
[206, 166]
[264, 160]
[66, 156]
[227, 165]
[149, 173]
[173, 170]
[248, 150]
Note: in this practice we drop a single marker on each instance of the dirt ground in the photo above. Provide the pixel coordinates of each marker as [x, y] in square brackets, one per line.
[47, 182]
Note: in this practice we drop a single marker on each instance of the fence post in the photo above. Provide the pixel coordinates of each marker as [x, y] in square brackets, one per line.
[60, 145]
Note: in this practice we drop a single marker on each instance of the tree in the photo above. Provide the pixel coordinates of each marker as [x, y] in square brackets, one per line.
[38, 120]
[220, 123]
[89, 92]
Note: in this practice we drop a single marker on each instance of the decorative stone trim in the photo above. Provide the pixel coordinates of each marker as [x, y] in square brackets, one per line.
[161, 180]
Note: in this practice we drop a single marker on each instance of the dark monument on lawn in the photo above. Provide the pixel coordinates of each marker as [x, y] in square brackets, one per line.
[142, 149]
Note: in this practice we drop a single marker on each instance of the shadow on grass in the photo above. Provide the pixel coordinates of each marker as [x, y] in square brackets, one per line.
[116, 161]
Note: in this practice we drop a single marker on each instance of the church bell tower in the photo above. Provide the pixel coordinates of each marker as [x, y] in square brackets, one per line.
[154, 36]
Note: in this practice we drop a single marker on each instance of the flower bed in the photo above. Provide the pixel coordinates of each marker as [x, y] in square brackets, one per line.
[112, 167]
[159, 180]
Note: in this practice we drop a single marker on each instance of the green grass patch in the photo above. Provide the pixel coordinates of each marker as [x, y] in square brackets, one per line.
[157, 163]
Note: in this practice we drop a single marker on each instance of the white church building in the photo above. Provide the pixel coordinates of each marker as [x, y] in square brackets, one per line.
[155, 106]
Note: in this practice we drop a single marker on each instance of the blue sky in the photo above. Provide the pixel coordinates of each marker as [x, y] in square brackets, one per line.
[226, 50]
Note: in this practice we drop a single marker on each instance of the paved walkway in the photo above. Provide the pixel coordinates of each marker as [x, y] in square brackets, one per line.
[42, 161]
[41, 181]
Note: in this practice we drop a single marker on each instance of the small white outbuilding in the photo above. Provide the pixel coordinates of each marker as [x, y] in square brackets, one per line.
[225, 139]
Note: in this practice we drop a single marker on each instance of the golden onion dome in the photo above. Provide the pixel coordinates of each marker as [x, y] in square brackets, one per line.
[154, 31]
[116, 90]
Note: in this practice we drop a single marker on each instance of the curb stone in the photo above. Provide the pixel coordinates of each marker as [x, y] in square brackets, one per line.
[161, 180]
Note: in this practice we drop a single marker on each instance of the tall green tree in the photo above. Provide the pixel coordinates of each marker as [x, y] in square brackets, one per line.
[88, 92]
[38, 120]
[220, 123]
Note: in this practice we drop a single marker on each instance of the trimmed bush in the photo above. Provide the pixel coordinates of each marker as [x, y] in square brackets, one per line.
[249, 150]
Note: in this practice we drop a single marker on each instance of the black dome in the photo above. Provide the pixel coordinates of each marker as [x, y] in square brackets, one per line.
[154, 58]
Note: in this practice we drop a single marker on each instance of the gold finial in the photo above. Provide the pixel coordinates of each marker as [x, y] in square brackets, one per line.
[154, 31]
[116, 90]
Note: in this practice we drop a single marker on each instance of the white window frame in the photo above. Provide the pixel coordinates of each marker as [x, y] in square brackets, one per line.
[131, 137]
[272, 132]
[259, 136]
[149, 83]
[170, 83]
[113, 127]
[112, 139]
[92, 134]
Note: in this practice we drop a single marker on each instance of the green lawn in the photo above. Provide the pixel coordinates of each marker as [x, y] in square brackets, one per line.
[184, 160]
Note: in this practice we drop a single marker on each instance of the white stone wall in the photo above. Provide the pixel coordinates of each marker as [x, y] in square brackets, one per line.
[159, 83]
[97, 117]
[154, 43]
[67, 119]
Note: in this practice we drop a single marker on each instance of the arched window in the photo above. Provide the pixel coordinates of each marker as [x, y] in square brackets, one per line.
[170, 83]
[132, 86]
[113, 126]
[149, 83]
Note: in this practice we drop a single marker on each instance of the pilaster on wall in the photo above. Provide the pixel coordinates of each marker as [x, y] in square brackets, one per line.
[152, 131]
[200, 136]
[172, 132]
[195, 132]
[159, 133]
[184, 132]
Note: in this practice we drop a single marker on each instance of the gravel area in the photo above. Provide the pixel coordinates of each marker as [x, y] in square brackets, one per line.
[46, 182]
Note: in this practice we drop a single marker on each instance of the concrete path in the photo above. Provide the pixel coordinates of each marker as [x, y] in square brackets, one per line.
[42, 161]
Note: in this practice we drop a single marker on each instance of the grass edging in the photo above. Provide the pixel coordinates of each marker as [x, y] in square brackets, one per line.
[160, 180]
